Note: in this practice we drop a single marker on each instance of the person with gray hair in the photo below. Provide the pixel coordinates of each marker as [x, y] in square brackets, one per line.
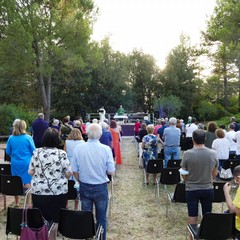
[230, 135]
[92, 161]
[171, 137]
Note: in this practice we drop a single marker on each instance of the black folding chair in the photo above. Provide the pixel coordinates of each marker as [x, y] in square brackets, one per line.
[178, 196]
[78, 225]
[14, 220]
[215, 226]
[11, 186]
[5, 169]
[219, 196]
[153, 167]
[174, 163]
[169, 176]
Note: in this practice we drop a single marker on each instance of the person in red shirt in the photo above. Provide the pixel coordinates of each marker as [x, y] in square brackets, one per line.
[137, 126]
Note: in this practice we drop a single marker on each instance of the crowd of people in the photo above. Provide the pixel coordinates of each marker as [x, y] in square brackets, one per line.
[203, 152]
[88, 153]
[52, 153]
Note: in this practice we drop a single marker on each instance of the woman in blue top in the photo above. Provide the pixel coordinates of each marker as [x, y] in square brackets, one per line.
[149, 146]
[20, 147]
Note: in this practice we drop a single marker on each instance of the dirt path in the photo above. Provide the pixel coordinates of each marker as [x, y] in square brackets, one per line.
[136, 214]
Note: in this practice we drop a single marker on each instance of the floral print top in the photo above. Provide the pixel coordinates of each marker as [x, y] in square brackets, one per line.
[49, 166]
[150, 147]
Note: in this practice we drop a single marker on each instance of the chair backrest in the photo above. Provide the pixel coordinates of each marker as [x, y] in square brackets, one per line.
[174, 163]
[14, 219]
[170, 176]
[11, 185]
[217, 226]
[231, 163]
[218, 192]
[5, 168]
[72, 191]
[7, 158]
[154, 166]
[179, 193]
[76, 224]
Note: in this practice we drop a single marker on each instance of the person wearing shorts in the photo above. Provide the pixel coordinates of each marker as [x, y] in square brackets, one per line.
[200, 164]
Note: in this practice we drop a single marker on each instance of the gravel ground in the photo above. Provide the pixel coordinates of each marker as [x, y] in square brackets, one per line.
[136, 213]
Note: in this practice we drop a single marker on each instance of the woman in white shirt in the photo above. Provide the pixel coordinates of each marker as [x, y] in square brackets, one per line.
[222, 146]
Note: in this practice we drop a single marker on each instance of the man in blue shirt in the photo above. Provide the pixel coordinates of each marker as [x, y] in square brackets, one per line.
[91, 164]
[171, 137]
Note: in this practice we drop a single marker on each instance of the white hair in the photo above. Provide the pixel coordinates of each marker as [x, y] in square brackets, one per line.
[94, 131]
[104, 125]
[173, 120]
[94, 120]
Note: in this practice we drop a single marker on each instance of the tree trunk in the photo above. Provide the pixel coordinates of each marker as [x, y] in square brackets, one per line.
[238, 87]
[225, 85]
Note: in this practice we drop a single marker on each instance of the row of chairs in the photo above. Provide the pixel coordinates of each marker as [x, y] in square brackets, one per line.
[72, 224]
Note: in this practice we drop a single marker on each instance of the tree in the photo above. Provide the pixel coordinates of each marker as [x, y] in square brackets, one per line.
[46, 35]
[206, 110]
[223, 27]
[144, 80]
[179, 75]
[168, 106]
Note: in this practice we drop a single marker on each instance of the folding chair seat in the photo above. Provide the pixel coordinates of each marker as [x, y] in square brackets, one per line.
[14, 220]
[174, 163]
[153, 167]
[215, 226]
[219, 196]
[178, 196]
[78, 225]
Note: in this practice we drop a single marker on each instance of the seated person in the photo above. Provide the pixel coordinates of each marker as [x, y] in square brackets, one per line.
[234, 206]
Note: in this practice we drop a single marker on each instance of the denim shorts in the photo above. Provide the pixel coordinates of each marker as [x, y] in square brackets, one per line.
[205, 197]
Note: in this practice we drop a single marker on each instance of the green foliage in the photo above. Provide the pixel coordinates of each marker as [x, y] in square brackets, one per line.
[209, 111]
[8, 113]
[170, 106]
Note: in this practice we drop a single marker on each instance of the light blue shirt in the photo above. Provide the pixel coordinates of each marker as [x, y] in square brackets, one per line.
[171, 136]
[92, 161]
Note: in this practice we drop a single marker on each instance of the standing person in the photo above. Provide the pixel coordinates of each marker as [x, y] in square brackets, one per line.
[222, 146]
[20, 147]
[210, 134]
[157, 126]
[120, 110]
[171, 137]
[142, 133]
[137, 127]
[38, 128]
[201, 164]
[233, 121]
[234, 206]
[91, 164]
[230, 135]
[190, 128]
[149, 146]
[51, 170]
[74, 138]
[116, 141]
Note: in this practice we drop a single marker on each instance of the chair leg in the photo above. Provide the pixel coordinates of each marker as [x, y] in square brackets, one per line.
[4, 202]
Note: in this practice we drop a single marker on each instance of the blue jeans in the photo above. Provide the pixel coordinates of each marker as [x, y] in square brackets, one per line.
[171, 153]
[97, 194]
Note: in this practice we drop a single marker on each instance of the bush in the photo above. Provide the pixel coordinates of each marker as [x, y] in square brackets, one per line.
[8, 113]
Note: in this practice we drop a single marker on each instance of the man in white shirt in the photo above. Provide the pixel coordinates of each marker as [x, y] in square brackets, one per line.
[230, 135]
[190, 128]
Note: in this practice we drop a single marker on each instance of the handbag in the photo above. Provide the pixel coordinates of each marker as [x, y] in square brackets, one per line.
[28, 233]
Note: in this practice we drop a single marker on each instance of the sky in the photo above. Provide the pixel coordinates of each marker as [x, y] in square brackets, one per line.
[152, 26]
